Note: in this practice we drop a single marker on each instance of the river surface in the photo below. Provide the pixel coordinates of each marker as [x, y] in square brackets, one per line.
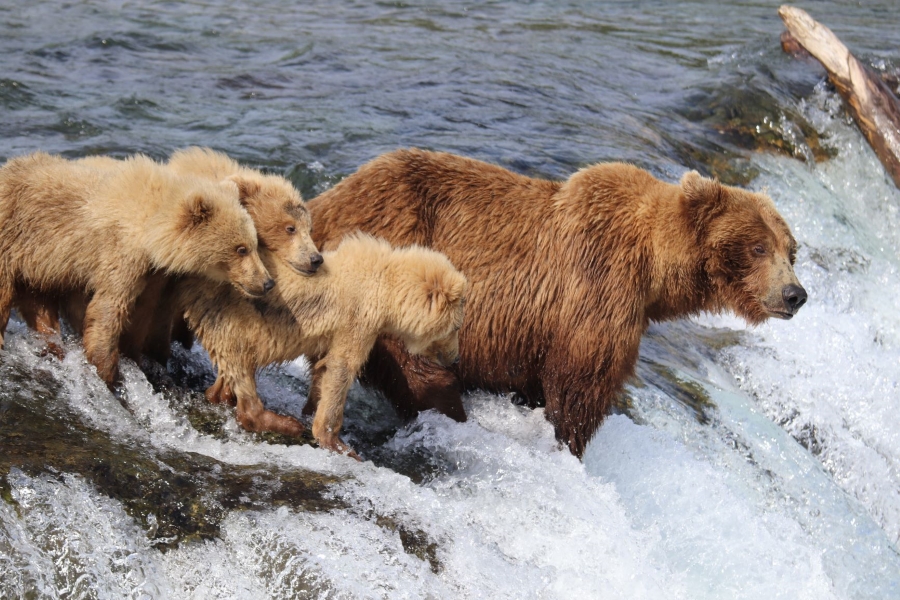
[743, 462]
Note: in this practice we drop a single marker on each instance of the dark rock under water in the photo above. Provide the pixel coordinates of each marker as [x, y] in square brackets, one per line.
[175, 496]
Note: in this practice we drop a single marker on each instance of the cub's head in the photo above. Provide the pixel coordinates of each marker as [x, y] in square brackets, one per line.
[279, 214]
[747, 250]
[428, 301]
[219, 237]
[282, 222]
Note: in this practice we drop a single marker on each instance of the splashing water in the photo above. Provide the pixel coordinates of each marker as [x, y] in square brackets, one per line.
[748, 463]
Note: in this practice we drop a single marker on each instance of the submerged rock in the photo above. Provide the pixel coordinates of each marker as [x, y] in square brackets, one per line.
[175, 496]
[741, 119]
[690, 343]
[755, 121]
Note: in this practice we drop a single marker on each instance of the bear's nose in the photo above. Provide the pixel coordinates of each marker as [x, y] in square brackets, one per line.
[315, 261]
[268, 285]
[794, 297]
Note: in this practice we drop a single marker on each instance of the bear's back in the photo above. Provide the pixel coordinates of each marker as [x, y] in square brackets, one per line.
[47, 227]
[203, 162]
[406, 196]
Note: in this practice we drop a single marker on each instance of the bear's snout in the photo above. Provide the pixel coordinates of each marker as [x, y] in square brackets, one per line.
[794, 297]
[446, 360]
[310, 266]
[447, 357]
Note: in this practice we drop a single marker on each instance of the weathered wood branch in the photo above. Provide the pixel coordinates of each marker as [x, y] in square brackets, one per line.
[872, 104]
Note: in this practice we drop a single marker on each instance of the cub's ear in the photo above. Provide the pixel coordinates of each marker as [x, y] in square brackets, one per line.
[446, 290]
[703, 198]
[247, 188]
[198, 210]
[437, 298]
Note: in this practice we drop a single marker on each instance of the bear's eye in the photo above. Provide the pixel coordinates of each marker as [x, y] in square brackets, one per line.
[759, 249]
[291, 229]
[242, 250]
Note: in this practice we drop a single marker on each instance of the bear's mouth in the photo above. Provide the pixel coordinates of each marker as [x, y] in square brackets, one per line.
[780, 314]
[304, 270]
[307, 270]
[252, 293]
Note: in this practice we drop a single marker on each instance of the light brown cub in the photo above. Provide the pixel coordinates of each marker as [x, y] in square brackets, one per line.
[365, 289]
[69, 228]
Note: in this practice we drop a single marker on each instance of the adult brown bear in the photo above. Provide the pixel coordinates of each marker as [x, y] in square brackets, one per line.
[564, 276]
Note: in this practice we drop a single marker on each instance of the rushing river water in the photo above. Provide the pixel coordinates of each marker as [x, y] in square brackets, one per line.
[745, 462]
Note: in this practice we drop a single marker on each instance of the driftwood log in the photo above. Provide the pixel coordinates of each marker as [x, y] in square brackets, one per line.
[871, 103]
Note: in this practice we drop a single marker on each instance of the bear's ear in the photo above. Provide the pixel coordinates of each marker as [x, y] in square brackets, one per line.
[703, 198]
[198, 210]
[445, 291]
[437, 299]
[247, 188]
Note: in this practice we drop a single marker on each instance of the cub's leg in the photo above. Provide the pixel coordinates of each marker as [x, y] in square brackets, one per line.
[142, 319]
[312, 400]
[332, 378]
[220, 392]
[158, 344]
[41, 313]
[181, 333]
[252, 415]
[7, 289]
[104, 320]
[73, 308]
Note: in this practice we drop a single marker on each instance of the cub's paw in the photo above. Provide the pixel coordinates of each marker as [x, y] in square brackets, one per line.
[266, 420]
[335, 444]
[220, 393]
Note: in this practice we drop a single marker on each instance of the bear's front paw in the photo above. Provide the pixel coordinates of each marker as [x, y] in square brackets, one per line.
[266, 420]
[220, 393]
[335, 444]
[53, 349]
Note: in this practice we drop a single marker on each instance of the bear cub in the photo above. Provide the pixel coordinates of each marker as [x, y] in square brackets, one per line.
[363, 290]
[73, 228]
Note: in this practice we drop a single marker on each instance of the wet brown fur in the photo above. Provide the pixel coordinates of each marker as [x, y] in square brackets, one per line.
[565, 276]
[283, 227]
[282, 224]
[71, 228]
[364, 289]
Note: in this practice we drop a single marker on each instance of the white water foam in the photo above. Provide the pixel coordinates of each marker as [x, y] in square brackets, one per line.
[663, 509]
[66, 541]
[831, 376]
[666, 505]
